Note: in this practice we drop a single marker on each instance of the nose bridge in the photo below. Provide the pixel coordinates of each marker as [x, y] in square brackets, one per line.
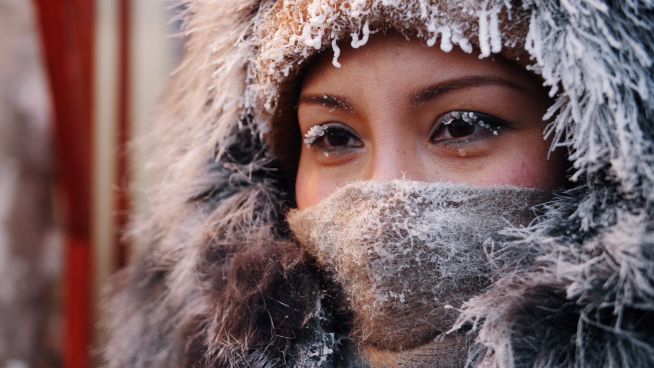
[392, 157]
[393, 151]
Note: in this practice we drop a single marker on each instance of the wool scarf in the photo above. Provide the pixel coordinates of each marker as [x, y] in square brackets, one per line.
[408, 254]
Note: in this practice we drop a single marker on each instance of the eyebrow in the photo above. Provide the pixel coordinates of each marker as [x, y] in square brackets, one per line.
[434, 91]
[425, 95]
[329, 101]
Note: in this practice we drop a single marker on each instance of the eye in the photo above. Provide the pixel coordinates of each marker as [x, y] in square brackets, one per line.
[332, 137]
[466, 126]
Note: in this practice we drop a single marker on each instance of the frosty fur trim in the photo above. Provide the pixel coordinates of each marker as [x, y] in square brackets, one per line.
[588, 302]
[290, 32]
[217, 209]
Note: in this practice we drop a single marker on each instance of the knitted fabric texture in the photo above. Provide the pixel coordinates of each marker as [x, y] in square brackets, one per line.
[408, 254]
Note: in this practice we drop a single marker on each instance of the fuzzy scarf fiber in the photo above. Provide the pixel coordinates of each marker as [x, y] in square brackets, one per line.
[408, 254]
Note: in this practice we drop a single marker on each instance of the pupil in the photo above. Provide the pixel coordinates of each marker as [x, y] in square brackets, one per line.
[337, 139]
[460, 128]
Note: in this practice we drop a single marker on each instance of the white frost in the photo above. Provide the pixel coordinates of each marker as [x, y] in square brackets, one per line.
[314, 133]
[446, 39]
[495, 34]
[337, 53]
[356, 42]
[309, 40]
[484, 36]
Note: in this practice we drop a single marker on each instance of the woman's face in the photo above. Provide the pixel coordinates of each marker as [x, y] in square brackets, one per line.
[399, 109]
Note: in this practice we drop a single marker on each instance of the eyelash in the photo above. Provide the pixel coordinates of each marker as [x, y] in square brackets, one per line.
[467, 119]
[318, 134]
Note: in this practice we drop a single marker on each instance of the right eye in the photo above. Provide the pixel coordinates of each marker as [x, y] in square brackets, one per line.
[332, 137]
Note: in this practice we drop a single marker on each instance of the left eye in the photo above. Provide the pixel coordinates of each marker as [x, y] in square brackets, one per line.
[466, 126]
[332, 137]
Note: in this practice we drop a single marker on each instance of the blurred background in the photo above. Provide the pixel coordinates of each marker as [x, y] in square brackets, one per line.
[79, 80]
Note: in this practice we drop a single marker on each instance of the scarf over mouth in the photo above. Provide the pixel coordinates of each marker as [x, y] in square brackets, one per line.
[408, 254]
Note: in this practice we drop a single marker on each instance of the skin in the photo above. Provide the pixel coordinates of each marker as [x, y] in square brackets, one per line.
[386, 110]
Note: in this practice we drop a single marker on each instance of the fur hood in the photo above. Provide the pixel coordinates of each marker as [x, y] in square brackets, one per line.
[217, 282]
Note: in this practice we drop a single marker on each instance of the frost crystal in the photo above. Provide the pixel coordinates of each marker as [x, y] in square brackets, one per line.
[356, 42]
[314, 133]
[446, 39]
[337, 53]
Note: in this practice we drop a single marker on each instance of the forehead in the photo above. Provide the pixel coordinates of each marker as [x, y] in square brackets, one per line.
[394, 61]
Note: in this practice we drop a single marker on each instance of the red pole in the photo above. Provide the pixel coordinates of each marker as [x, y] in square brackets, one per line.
[67, 35]
[124, 110]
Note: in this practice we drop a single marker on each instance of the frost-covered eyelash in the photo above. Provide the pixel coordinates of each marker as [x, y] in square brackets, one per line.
[472, 117]
[314, 133]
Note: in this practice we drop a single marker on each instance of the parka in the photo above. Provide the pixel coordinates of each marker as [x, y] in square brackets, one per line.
[218, 279]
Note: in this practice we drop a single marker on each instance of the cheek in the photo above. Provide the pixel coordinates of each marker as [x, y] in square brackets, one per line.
[306, 194]
[525, 169]
[312, 185]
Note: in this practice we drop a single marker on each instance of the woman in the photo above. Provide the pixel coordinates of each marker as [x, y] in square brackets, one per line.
[373, 205]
